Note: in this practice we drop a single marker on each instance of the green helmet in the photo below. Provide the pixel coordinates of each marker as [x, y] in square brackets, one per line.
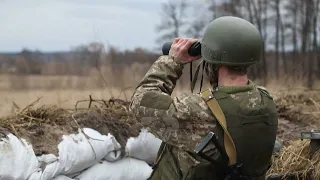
[231, 41]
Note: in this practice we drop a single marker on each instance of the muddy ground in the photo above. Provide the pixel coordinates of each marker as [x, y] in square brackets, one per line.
[43, 127]
[298, 111]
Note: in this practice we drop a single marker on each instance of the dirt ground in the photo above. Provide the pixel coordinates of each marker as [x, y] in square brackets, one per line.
[44, 127]
[298, 111]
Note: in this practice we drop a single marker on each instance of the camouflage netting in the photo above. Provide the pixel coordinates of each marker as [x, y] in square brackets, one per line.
[44, 126]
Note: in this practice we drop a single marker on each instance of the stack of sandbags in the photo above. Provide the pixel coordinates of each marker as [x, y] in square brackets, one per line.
[85, 155]
[17, 159]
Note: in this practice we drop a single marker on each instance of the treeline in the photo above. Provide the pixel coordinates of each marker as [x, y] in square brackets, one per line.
[79, 61]
[290, 29]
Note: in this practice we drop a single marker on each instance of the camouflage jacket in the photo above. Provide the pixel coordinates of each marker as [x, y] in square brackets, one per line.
[180, 121]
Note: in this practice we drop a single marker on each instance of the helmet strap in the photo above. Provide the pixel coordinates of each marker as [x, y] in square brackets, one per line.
[193, 81]
[215, 77]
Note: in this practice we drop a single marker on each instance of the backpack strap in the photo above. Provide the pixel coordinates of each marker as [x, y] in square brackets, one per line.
[219, 115]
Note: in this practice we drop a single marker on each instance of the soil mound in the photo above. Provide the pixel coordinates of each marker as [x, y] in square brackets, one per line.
[298, 111]
[43, 127]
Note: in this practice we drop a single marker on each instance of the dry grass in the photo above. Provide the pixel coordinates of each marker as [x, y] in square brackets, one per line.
[63, 98]
[63, 91]
[295, 158]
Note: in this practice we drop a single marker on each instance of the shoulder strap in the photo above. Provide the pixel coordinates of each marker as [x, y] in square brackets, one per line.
[219, 115]
[264, 91]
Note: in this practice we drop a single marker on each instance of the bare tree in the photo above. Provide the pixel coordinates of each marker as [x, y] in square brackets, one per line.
[313, 6]
[196, 28]
[259, 18]
[307, 8]
[283, 43]
[213, 8]
[173, 20]
[315, 34]
[292, 22]
[277, 29]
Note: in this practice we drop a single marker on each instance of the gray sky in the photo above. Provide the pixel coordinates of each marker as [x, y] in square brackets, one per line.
[53, 25]
[57, 25]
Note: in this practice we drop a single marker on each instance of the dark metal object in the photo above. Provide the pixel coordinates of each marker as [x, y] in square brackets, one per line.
[230, 172]
[314, 136]
[194, 50]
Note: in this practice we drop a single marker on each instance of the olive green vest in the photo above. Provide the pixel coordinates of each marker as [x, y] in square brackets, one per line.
[253, 131]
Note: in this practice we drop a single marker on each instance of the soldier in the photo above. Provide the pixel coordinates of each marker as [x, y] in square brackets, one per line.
[229, 46]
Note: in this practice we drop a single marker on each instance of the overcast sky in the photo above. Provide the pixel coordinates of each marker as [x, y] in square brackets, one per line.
[53, 25]
[57, 25]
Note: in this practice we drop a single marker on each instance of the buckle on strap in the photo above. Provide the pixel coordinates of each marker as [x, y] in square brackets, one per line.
[206, 95]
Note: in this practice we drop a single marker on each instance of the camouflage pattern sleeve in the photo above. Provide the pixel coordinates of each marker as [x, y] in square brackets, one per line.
[180, 121]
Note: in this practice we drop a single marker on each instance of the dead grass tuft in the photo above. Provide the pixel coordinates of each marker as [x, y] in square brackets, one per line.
[296, 158]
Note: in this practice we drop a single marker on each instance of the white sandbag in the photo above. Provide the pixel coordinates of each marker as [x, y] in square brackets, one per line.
[61, 177]
[47, 158]
[52, 166]
[113, 156]
[77, 152]
[80, 151]
[36, 175]
[39, 176]
[115, 153]
[48, 175]
[52, 170]
[144, 147]
[17, 158]
[124, 169]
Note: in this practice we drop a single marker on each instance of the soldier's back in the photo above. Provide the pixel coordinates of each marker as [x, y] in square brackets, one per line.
[252, 121]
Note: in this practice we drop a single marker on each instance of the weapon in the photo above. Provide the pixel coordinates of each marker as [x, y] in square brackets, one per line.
[231, 172]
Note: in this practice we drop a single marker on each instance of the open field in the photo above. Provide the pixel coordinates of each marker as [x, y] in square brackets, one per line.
[65, 91]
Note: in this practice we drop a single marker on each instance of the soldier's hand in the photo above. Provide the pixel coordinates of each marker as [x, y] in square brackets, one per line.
[179, 50]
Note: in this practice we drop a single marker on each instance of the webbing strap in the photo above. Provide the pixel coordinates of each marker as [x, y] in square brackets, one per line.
[219, 115]
[195, 78]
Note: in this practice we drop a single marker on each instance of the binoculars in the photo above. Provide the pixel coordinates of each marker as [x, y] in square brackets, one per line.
[194, 50]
